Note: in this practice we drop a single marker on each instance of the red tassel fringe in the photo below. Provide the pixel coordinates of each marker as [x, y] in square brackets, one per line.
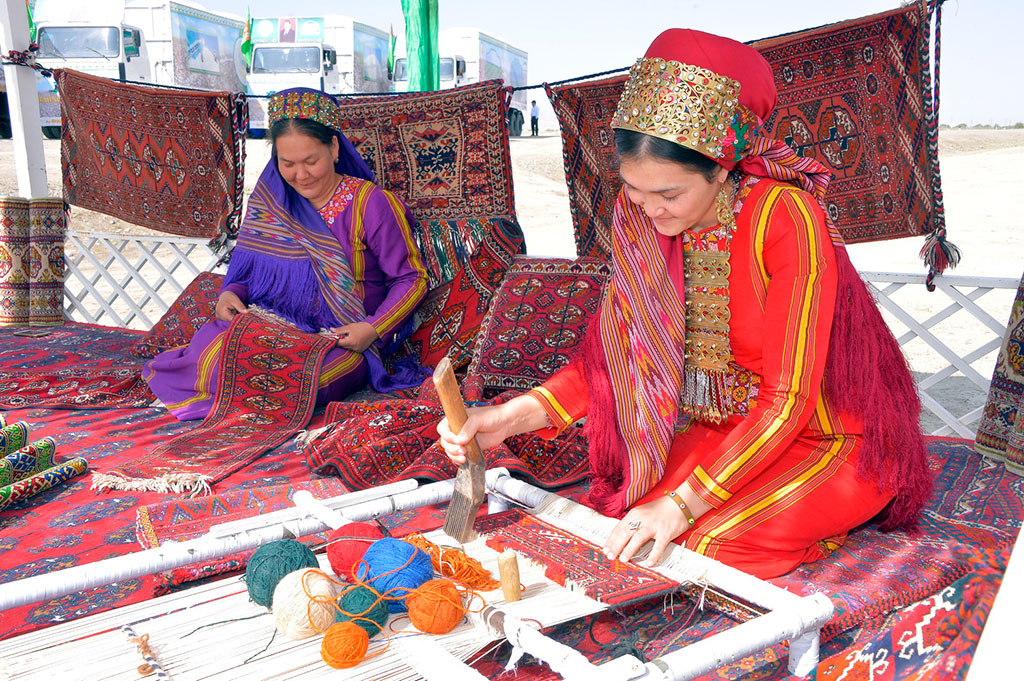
[608, 458]
[867, 375]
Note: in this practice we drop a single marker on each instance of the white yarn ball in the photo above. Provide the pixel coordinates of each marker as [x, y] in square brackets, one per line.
[295, 614]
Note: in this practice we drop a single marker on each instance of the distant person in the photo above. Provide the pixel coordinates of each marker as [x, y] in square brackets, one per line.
[534, 118]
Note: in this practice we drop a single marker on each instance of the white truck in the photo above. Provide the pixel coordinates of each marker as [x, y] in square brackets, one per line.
[147, 41]
[468, 55]
[332, 53]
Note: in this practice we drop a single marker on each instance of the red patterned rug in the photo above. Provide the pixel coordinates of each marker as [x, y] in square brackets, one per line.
[853, 95]
[167, 159]
[572, 561]
[189, 311]
[182, 519]
[77, 366]
[266, 393]
[450, 316]
[385, 441]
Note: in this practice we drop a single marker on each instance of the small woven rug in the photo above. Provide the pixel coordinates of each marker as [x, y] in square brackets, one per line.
[171, 160]
[853, 95]
[182, 519]
[267, 391]
[572, 561]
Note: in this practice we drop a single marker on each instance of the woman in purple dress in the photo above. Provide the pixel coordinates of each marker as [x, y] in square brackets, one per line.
[322, 246]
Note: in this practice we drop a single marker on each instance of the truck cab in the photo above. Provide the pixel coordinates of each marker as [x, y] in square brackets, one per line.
[109, 49]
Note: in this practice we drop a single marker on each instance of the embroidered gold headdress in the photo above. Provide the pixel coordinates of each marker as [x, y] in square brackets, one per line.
[304, 103]
[689, 105]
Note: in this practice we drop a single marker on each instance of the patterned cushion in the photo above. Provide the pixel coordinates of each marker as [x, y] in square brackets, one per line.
[193, 308]
[450, 316]
[537, 320]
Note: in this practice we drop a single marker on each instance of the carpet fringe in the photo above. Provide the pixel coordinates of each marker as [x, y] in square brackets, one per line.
[194, 484]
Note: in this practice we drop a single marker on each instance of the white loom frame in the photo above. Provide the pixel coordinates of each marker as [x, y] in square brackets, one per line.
[789, 617]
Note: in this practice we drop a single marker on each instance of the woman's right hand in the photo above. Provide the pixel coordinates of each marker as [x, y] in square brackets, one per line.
[228, 305]
[488, 424]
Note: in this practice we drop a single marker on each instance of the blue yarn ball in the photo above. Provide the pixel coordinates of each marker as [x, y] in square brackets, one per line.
[385, 556]
[270, 563]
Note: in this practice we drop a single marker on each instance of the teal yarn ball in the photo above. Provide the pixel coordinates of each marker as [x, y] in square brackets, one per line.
[361, 603]
[383, 560]
[271, 563]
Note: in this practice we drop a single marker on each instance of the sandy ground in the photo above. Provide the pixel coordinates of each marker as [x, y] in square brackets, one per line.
[981, 172]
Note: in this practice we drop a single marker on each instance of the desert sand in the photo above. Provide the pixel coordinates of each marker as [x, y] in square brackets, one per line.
[982, 172]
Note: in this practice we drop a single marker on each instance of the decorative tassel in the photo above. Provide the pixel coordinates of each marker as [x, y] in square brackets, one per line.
[938, 254]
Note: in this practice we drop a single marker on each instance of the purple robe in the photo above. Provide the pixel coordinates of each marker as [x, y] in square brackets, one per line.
[375, 239]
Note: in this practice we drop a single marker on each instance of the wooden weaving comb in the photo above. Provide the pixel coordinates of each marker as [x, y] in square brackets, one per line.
[470, 480]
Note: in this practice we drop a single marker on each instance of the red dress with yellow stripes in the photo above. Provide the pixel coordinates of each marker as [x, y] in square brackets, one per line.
[781, 480]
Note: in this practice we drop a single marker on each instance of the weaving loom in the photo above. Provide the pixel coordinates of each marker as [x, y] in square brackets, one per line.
[102, 645]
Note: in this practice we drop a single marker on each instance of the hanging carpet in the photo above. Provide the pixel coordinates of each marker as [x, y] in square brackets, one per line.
[171, 160]
[855, 96]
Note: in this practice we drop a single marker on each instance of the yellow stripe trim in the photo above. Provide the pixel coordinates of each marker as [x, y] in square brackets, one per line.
[554, 404]
[783, 492]
[799, 352]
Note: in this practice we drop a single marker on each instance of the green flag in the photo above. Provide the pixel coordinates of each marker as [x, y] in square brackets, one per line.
[421, 44]
[391, 51]
[31, 23]
[247, 39]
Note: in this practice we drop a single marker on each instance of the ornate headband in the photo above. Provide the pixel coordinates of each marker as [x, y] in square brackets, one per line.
[689, 105]
[310, 104]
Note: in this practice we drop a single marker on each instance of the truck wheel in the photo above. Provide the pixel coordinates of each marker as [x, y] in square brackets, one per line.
[51, 132]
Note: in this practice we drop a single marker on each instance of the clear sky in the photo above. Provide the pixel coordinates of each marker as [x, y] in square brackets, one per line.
[981, 62]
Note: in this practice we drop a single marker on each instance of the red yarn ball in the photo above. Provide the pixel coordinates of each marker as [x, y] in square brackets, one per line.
[347, 544]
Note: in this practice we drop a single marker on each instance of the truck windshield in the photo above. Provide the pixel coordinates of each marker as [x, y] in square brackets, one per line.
[286, 60]
[74, 42]
[447, 70]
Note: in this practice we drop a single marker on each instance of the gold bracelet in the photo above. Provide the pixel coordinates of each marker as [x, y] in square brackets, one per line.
[671, 494]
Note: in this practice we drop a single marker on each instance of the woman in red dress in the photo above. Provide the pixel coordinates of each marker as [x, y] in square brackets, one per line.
[743, 395]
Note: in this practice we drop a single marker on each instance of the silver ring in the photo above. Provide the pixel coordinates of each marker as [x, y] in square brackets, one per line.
[634, 525]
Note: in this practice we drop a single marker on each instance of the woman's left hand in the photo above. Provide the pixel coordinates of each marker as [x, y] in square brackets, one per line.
[659, 520]
[356, 337]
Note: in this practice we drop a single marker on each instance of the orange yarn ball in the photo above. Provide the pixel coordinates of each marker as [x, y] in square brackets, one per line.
[344, 645]
[435, 607]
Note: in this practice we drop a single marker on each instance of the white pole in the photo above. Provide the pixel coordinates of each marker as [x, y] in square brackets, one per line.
[23, 102]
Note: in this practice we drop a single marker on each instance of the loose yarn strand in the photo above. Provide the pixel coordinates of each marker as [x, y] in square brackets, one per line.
[455, 564]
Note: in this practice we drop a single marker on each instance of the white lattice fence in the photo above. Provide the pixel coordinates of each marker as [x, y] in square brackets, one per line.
[128, 280]
[951, 337]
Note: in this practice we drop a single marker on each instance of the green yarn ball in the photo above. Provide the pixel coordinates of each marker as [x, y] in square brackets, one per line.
[359, 600]
[271, 563]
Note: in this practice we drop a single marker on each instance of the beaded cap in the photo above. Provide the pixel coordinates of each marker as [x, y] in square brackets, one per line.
[689, 105]
[310, 104]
